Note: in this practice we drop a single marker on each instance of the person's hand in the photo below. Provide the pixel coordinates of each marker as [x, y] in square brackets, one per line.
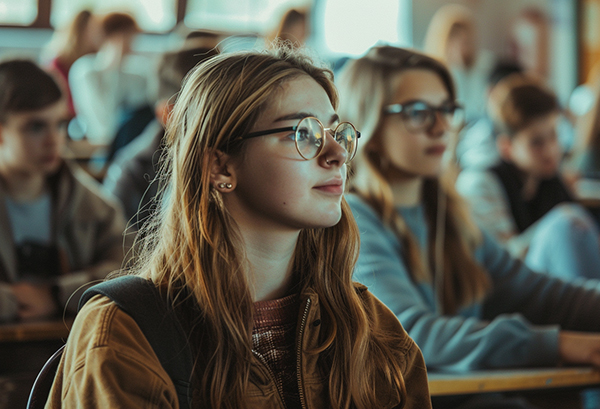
[35, 301]
[579, 347]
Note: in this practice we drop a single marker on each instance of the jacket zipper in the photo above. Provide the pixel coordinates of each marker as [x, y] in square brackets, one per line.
[299, 354]
[271, 375]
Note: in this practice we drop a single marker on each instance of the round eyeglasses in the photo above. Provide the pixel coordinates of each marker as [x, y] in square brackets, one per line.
[310, 136]
[420, 116]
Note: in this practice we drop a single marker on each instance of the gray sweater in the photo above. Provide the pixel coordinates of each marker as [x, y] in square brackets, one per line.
[518, 323]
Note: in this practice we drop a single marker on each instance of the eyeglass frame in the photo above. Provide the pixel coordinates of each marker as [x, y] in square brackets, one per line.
[393, 109]
[295, 128]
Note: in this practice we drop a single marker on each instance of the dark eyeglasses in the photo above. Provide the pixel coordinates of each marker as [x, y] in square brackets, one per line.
[310, 136]
[420, 116]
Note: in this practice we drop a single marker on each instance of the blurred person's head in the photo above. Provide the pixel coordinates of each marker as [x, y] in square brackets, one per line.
[172, 69]
[202, 39]
[390, 78]
[83, 35]
[33, 120]
[527, 120]
[452, 35]
[120, 30]
[501, 70]
[404, 103]
[293, 28]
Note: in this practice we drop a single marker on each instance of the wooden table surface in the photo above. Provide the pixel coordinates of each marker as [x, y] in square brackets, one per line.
[35, 330]
[441, 384]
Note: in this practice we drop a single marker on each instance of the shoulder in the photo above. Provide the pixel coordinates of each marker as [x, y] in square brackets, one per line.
[379, 314]
[103, 332]
[108, 362]
[363, 212]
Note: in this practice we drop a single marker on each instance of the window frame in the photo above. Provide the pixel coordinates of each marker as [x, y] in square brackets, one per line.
[45, 8]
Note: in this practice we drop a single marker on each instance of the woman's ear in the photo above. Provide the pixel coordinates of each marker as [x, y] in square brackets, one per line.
[504, 146]
[222, 172]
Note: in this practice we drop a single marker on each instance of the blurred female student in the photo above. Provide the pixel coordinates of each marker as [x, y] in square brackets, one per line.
[523, 201]
[82, 36]
[463, 299]
[58, 231]
[254, 232]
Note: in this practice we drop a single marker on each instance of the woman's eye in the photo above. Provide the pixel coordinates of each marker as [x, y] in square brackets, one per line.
[417, 114]
[302, 135]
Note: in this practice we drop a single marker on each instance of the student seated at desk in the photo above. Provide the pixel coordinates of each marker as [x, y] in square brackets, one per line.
[131, 175]
[464, 300]
[57, 230]
[523, 201]
[254, 246]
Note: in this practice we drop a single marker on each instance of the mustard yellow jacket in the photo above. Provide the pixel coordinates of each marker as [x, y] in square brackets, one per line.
[108, 363]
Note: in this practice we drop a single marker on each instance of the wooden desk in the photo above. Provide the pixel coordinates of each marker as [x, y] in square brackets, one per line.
[24, 348]
[35, 331]
[443, 384]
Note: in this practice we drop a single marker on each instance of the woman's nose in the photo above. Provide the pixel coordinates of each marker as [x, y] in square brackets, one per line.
[333, 153]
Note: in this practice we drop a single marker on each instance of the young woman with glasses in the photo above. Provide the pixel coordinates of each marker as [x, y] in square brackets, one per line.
[460, 296]
[255, 246]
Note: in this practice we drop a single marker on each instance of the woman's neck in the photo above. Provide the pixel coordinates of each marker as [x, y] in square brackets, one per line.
[270, 256]
[407, 191]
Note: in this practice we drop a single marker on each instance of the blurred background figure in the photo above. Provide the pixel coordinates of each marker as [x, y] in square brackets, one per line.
[452, 37]
[131, 175]
[477, 145]
[294, 28]
[528, 42]
[110, 88]
[81, 37]
[523, 201]
[58, 231]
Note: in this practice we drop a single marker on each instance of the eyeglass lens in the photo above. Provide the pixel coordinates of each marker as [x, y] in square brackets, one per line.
[421, 116]
[310, 137]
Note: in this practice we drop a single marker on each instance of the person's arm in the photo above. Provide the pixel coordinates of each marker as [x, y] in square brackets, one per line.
[108, 363]
[448, 342]
[99, 248]
[542, 299]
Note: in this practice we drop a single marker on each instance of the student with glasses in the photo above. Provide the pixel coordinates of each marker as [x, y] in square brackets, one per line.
[464, 300]
[254, 246]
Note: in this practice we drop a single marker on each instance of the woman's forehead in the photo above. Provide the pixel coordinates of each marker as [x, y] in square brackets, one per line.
[299, 95]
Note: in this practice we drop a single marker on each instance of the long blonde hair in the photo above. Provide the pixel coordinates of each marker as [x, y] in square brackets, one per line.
[366, 85]
[192, 246]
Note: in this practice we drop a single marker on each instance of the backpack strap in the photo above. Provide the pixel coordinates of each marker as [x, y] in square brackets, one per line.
[143, 301]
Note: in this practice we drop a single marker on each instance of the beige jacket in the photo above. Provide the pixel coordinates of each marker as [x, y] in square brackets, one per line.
[108, 363]
[88, 228]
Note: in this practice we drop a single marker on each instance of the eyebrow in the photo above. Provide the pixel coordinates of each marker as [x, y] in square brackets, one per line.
[302, 115]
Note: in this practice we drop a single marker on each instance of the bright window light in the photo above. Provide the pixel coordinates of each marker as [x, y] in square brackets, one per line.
[254, 16]
[151, 15]
[21, 12]
[351, 27]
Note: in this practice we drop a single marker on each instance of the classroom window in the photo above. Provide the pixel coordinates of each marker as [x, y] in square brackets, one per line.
[18, 12]
[256, 16]
[151, 15]
[351, 27]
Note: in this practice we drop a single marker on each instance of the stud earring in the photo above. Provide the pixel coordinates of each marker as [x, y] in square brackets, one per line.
[225, 185]
[228, 185]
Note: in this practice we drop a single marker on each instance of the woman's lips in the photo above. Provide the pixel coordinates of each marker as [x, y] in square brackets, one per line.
[334, 187]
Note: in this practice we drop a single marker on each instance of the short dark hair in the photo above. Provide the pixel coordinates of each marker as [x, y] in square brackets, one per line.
[174, 66]
[24, 86]
[522, 100]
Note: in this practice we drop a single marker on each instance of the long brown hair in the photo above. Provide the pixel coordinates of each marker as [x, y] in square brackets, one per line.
[366, 85]
[193, 246]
